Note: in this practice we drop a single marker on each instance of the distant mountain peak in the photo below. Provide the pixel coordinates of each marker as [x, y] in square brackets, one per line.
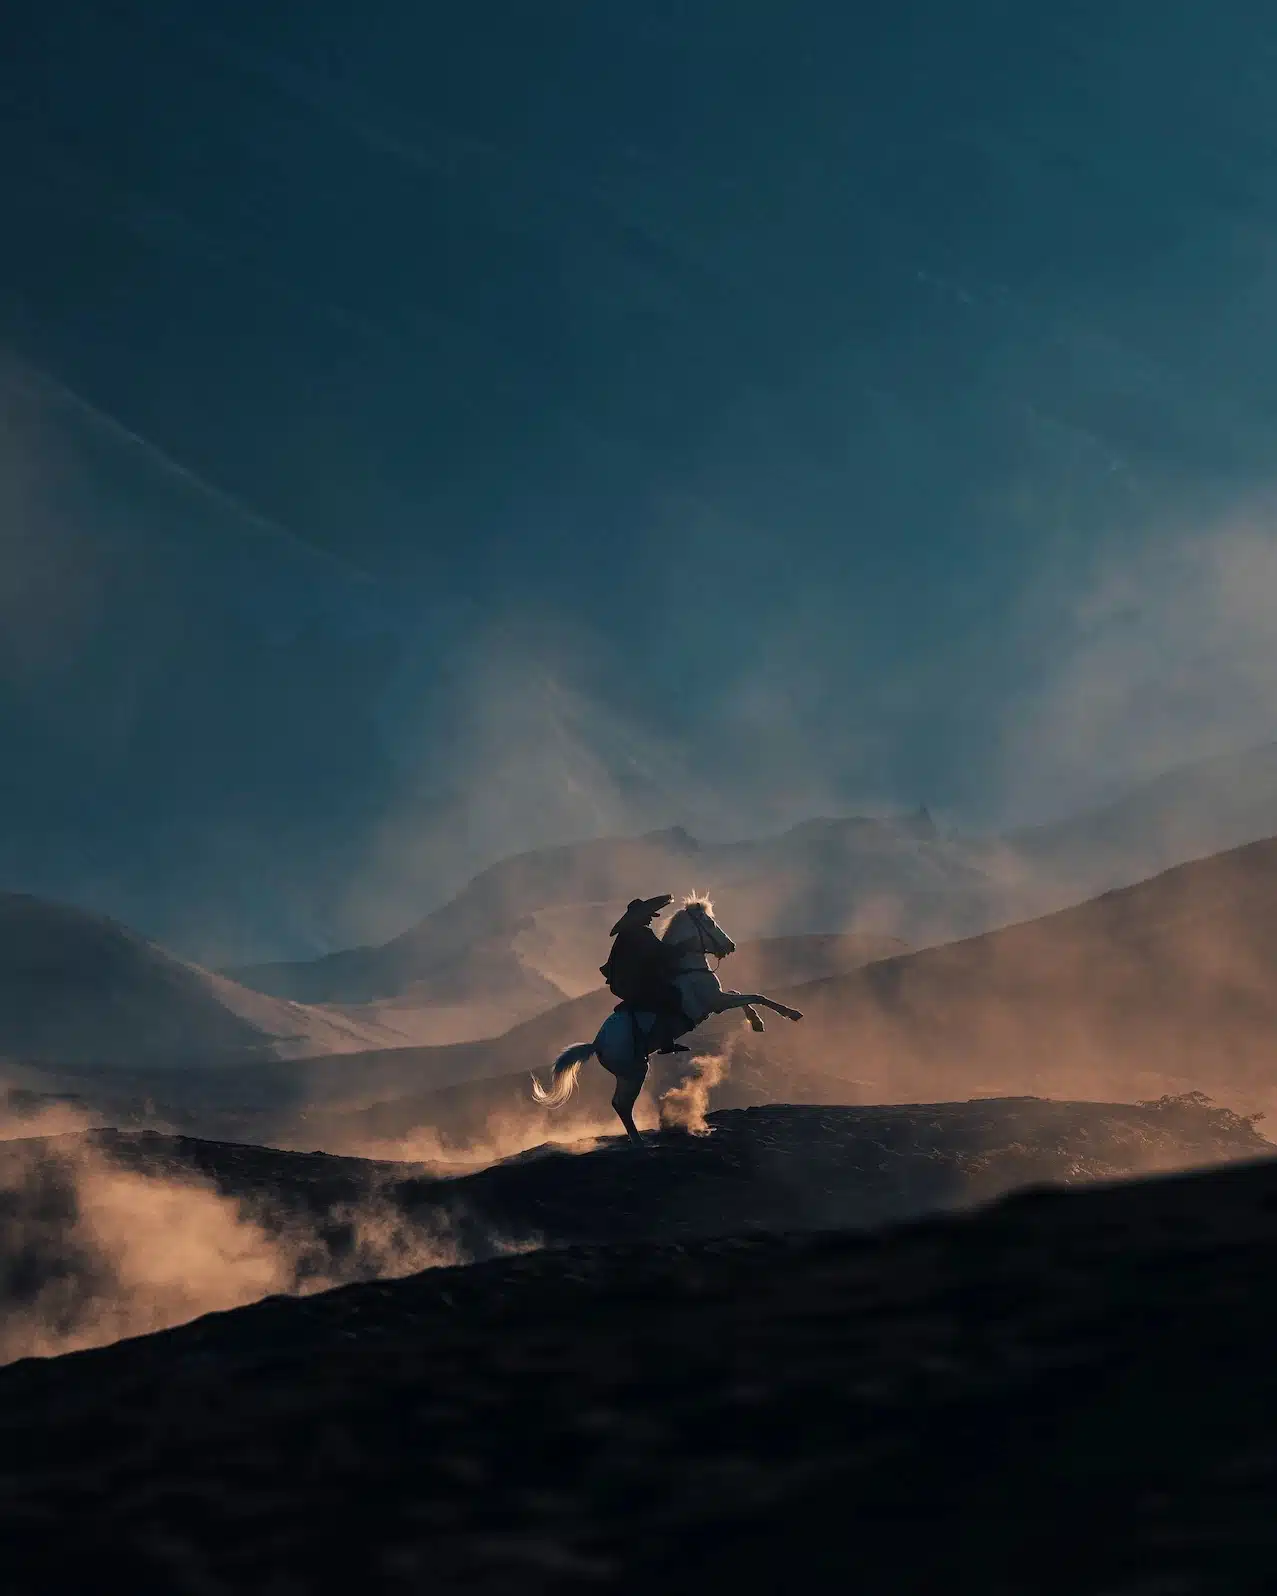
[841, 827]
[676, 836]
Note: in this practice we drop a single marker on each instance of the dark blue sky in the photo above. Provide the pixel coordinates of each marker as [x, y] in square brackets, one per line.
[431, 430]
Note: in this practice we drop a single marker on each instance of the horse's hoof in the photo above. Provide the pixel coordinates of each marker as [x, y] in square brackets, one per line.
[756, 1024]
[794, 1014]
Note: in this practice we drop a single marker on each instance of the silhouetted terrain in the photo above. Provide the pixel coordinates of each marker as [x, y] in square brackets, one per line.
[801, 1167]
[1067, 1392]
[109, 1233]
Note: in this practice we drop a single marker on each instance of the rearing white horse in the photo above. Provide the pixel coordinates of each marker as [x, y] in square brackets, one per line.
[626, 1040]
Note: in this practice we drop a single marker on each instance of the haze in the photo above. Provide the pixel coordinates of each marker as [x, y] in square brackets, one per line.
[501, 425]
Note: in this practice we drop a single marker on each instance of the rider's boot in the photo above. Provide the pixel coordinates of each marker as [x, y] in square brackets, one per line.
[673, 1023]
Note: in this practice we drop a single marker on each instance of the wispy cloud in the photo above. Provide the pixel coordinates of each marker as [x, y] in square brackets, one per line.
[53, 388]
[1171, 657]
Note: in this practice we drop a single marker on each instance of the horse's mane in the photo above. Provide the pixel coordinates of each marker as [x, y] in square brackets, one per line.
[694, 900]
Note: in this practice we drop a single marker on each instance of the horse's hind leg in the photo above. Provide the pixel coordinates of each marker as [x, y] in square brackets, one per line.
[624, 1098]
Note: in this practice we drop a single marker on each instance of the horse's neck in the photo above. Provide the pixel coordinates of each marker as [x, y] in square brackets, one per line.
[692, 962]
[699, 988]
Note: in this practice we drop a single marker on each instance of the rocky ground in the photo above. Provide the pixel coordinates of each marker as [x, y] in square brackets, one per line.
[1067, 1392]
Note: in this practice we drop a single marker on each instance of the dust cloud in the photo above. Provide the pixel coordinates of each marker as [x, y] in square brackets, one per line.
[672, 1099]
[92, 1251]
[685, 1105]
[505, 1134]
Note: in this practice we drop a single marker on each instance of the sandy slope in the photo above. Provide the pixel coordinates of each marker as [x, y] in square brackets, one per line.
[77, 988]
[1186, 813]
[1162, 986]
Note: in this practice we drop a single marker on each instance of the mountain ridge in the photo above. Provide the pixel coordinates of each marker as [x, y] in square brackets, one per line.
[1156, 988]
[823, 876]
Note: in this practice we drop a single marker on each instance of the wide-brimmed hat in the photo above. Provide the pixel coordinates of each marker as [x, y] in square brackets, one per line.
[642, 910]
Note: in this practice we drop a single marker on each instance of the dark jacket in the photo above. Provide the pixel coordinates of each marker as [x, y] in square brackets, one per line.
[640, 970]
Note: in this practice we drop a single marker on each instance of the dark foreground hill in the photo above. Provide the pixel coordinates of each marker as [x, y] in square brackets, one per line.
[1066, 1393]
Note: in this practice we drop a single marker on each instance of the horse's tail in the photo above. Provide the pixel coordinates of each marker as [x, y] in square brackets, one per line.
[563, 1080]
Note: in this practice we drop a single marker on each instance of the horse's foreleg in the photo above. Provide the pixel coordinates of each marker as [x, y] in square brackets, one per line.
[754, 1017]
[747, 1000]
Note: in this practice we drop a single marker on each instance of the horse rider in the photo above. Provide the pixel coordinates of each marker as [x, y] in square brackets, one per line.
[640, 969]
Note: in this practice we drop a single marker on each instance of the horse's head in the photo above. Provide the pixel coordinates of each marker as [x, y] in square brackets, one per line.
[694, 926]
